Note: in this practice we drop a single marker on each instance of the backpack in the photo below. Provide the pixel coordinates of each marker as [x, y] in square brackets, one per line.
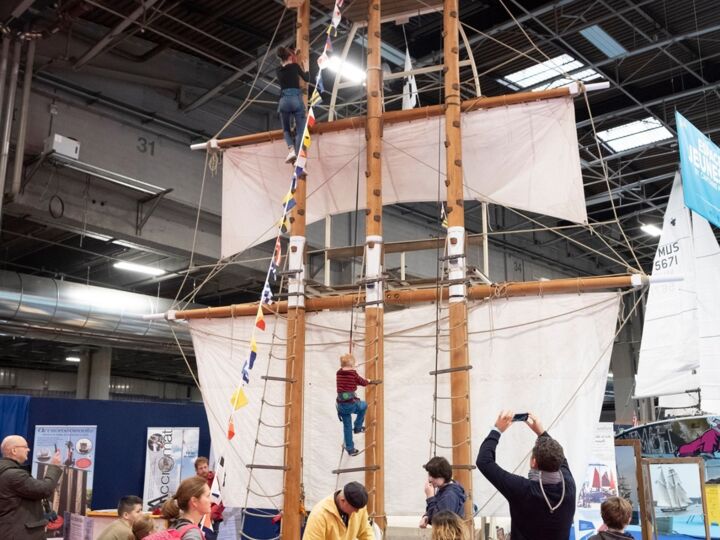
[171, 534]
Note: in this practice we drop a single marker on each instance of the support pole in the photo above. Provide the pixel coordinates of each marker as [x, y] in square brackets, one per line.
[293, 506]
[460, 379]
[374, 290]
[8, 114]
[22, 121]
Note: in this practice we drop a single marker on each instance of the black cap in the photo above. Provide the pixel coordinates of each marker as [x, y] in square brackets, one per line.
[356, 495]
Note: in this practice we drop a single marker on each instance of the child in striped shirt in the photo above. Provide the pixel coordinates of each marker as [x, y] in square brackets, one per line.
[347, 402]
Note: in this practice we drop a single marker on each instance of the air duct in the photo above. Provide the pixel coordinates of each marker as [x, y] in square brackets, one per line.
[50, 309]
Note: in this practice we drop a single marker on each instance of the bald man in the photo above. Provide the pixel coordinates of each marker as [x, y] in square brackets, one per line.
[21, 512]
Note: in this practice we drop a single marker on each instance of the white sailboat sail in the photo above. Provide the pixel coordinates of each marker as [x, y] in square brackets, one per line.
[662, 493]
[560, 345]
[669, 356]
[707, 264]
[521, 156]
[679, 494]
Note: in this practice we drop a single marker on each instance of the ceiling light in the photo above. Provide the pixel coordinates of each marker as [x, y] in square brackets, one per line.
[635, 134]
[348, 71]
[139, 268]
[558, 66]
[602, 40]
[652, 230]
[75, 359]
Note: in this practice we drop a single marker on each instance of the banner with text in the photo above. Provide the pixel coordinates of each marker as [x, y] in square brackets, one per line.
[700, 168]
[170, 458]
[77, 450]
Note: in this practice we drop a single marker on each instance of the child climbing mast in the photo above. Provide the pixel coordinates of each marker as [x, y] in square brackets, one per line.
[291, 104]
[347, 381]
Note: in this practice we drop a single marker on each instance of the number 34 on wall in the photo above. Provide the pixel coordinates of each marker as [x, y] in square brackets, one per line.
[145, 146]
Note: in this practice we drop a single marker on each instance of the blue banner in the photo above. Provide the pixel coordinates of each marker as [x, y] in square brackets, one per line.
[700, 168]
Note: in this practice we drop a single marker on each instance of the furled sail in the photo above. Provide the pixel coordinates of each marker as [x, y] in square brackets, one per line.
[522, 156]
[557, 345]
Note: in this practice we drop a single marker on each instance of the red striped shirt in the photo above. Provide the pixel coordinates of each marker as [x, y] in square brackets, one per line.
[347, 380]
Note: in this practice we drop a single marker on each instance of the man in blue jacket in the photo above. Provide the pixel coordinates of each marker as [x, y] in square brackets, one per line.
[542, 505]
[441, 491]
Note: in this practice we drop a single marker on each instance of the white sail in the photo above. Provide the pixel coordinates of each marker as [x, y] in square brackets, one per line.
[521, 156]
[707, 264]
[558, 345]
[662, 492]
[679, 494]
[669, 355]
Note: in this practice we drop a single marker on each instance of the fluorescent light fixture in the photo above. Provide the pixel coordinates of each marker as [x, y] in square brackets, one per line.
[586, 75]
[652, 230]
[639, 133]
[558, 66]
[139, 268]
[346, 70]
[75, 359]
[602, 40]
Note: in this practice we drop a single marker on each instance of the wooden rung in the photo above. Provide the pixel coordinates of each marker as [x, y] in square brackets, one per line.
[280, 379]
[464, 467]
[267, 467]
[357, 469]
[452, 370]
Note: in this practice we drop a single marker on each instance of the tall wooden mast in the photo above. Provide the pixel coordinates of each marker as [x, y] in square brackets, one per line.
[374, 286]
[295, 357]
[459, 361]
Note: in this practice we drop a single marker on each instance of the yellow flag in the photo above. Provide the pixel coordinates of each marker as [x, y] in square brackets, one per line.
[239, 399]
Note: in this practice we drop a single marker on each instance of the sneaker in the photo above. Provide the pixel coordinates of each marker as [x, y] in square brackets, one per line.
[359, 430]
[353, 451]
[291, 157]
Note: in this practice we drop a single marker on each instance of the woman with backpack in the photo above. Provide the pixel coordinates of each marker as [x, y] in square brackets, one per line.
[185, 510]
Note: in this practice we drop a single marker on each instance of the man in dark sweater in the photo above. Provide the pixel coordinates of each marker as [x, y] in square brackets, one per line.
[542, 506]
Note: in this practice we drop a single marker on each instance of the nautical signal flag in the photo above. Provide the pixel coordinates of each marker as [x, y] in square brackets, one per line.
[231, 429]
[288, 202]
[245, 373]
[253, 351]
[284, 224]
[443, 217]
[315, 98]
[260, 319]
[238, 399]
[267, 295]
[307, 141]
[311, 118]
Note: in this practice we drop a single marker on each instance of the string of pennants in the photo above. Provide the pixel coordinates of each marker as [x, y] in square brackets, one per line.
[239, 398]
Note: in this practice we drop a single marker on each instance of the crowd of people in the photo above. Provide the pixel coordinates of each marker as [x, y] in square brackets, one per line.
[542, 504]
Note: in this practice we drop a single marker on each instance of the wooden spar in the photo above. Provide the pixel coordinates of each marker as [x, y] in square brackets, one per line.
[419, 296]
[394, 117]
[293, 507]
[459, 358]
[374, 312]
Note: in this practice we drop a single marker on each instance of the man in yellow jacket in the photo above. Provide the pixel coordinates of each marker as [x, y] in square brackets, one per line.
[341, 516]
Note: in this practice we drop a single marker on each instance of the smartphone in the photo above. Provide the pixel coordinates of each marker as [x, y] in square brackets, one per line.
[520, 417]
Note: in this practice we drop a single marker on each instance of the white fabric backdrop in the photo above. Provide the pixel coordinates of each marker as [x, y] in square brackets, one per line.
[556, 368]
[523, 156]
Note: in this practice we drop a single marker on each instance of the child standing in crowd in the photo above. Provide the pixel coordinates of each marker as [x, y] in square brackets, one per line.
[291, 104]
[448, 526]
[616, 513]
[347, 403]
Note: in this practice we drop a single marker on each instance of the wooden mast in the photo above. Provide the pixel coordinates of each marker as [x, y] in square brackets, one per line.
[293, 507]
[459, 360]
[374, 310]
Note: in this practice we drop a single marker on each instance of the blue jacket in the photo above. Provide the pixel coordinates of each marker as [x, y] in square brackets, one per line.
[450, 496]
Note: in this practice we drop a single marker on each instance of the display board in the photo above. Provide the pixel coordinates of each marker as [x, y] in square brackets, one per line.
[77, 448]
[631, 483]
[170, 457]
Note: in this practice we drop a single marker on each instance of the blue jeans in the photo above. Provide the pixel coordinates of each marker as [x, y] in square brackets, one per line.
[346, 410]
[291, 105]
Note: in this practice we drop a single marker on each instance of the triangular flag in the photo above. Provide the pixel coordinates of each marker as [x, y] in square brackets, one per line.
[231, 429]
[277, 252]
[260, 319]
[336, 16]
[239, 399]
[410, 91]
[311, 118]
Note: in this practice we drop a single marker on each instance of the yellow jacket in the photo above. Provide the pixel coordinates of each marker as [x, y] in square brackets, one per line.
[325, 523]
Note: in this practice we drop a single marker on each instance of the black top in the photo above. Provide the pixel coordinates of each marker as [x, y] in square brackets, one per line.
[531, 517]
[289, 76]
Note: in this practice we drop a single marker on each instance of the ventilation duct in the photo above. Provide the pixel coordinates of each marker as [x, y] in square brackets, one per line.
[50, 309]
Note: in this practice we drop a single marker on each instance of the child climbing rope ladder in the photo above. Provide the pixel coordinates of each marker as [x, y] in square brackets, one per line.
[347, 403]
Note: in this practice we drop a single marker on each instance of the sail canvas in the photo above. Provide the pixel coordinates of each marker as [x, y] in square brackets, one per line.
[522, 156]
[559, 345]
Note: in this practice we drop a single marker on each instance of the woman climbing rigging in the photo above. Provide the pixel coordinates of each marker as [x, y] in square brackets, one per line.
[291, 104]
